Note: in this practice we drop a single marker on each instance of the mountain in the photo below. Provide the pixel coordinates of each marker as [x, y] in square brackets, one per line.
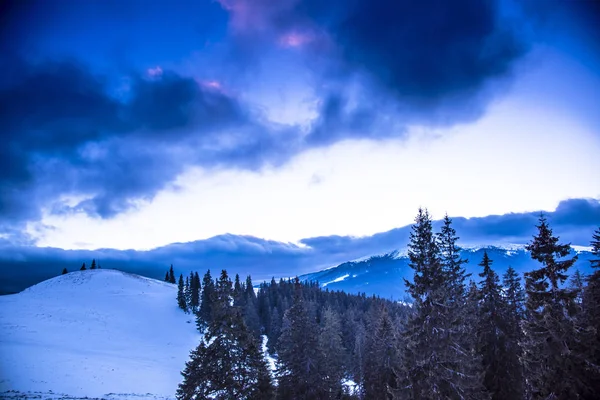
[383, 275]
[96, 333]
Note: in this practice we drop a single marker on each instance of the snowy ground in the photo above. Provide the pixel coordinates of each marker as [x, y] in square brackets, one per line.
[97, 334]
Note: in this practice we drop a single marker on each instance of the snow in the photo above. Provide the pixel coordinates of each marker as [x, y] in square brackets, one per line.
[100, 333]
[271, 361]
[338, 279]
[579, 249]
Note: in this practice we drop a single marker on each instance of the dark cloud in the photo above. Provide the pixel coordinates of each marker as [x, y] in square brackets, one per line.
[436, 59]
[66, 133]
[574, 221]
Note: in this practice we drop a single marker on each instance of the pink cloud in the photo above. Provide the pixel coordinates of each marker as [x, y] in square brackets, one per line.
[155, 72]
[295, 39]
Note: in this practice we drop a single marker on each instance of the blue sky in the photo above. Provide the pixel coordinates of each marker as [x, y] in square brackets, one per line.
[135, 124]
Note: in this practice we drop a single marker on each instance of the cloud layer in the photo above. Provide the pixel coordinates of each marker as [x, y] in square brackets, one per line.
[574, 221]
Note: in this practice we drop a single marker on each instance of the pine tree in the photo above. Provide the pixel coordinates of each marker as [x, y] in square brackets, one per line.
[167, 276]
[195, 294]
[382, 359]
[228, 363]
[551, 366]
[204, 315]
[591, 318]
[298, 363]
[93, 264]
[514, 298]
[187, 292]
[576, 284]
[172, 275]
[64, 271]
[181, 295]
[437, 365]
[332, 353]
[83, 268]
[499, 361]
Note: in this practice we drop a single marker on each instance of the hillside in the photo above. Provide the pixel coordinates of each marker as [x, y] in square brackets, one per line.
[100, 333]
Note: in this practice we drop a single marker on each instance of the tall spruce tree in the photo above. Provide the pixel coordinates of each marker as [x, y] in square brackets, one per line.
[298, 370]
[172, 275]
[228, 363]
[167, 276]
[204, 315]
[93, 264]
[591, 317]
[552, 368]
[381, 359]
[493, 343]
[83, 268]
[514, 298]
[195, 294]
[64, 271]
[437, 365]
[332, 353]
[181, 295]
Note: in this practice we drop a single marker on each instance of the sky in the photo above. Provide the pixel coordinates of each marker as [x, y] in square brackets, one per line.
[137, 124]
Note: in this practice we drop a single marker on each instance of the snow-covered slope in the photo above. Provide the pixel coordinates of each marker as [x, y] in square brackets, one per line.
[100, 333]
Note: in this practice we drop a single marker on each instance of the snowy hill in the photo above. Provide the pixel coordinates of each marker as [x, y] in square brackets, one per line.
[384, 275]
[100, 333]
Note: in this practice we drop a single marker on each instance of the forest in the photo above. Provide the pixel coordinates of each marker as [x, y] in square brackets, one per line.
[535, 336]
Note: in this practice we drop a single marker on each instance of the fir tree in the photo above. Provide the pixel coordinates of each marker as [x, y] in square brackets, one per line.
[381, 360]
[551, 366]
[437, 365]
[514, 298]
[83, 268]
[591, 317]
[64, 271]
[172, 275]
[298, 363]
[228, 363]
[332, 353]
[203, 317]
[499, 361]
[195, 295]
[93, 264]
[181, 294]
[167, 276]
[187, 292]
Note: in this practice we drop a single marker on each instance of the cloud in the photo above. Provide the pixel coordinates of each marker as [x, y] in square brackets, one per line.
[66, 134]
[428, 55]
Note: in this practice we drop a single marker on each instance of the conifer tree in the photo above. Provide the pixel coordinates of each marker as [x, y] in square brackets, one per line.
[591, 317]
[64, 271]
[514, 298]
[83, 268]
[437, 365]
[298, 363]
[195, 295]
[498, 360]
[382, 360]
[552, 369]
[332, 353]
[181, 295]
[187, 292]
[203, 317]
[228, 363]
[93, 264]
[167, 276]
[172, 275]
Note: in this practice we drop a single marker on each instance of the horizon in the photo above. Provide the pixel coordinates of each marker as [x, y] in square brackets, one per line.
[281, 123]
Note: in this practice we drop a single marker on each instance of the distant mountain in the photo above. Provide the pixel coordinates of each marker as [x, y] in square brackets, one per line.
[94, 334]
[383, 275]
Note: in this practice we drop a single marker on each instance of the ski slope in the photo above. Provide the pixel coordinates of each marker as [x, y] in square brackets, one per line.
[96, 333]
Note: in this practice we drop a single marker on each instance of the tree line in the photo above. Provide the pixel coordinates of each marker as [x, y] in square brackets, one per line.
[463, 337]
